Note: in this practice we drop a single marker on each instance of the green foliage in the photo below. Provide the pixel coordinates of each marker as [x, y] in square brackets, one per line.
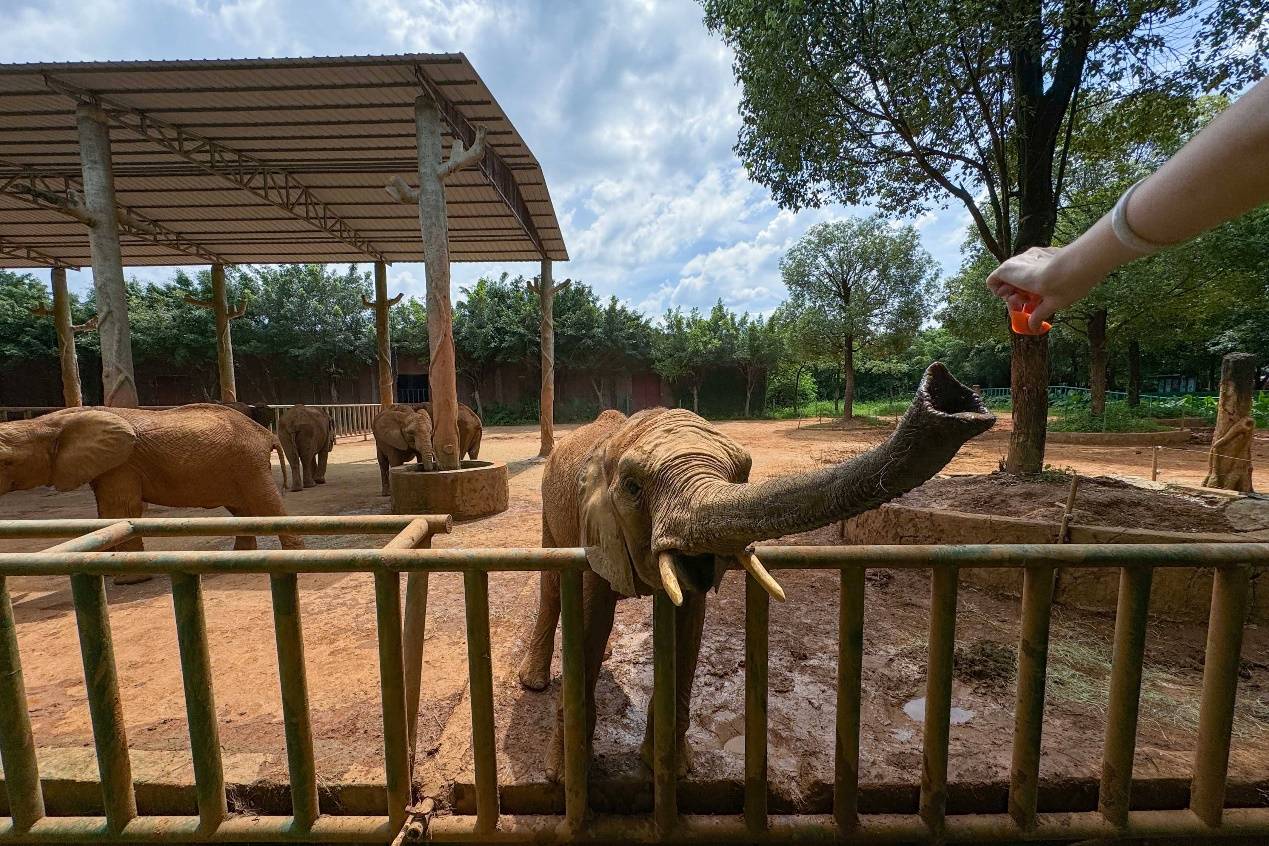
[24, 336]
[1075, 415]
[407, 321]
[780, 391]
[496, 322]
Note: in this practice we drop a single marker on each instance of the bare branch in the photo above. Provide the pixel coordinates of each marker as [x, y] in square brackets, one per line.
[460, 156]
[399, 190]
[395, 299]
[240, 310]
[194, 301]
[367, 303]
[87, 326]
[42, 310]
[561, 286]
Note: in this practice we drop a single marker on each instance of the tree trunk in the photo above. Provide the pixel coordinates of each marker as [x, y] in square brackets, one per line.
[1134, 372]
[1097, 362]
[546, 395]
[1029, 383]
[696, 399]
[475, 398]
[1229, 462]
[72, 395]
[748, 391]
[383, 336]
[848, 378]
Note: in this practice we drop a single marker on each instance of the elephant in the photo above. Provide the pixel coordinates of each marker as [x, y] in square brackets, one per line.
[263, 414]
[202, 456]
[307, 436]
[470, 430]
[401, 433]
[661, 501]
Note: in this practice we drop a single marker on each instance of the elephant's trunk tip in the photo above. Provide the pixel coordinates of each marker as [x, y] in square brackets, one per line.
[940, 394]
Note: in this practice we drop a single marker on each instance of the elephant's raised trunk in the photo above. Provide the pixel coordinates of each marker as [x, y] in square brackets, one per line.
[943, 416]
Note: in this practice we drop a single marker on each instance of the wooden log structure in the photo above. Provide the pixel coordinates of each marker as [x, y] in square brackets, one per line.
[383, 334]
[219, 304]
[433, 170]
[72, 393]
[545, 289]
[1229, 461]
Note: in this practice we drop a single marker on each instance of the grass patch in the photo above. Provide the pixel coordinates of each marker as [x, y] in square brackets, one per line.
[1119, 417]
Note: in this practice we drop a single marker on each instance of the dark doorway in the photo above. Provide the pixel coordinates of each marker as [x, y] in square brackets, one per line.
[412, 387]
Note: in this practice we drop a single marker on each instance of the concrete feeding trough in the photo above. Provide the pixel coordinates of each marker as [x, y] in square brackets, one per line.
[477, 489]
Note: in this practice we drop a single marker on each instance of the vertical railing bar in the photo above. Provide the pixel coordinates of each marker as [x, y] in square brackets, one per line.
[17, 746]
[396, 760]
[938, 697]
[1230, 594]
[414, 630]
[104, 706]
[200, 701]
[480, 669]
[289, 635]
[1124, 700]
[576, 753]
[757, 631]
[664, 798]
[850, 667]
[1033, 655]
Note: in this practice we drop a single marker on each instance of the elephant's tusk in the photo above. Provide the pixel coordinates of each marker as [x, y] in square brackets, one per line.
[754, 567]
[669, 579]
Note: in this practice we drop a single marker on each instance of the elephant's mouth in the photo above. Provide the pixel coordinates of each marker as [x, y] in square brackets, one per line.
[699, 571]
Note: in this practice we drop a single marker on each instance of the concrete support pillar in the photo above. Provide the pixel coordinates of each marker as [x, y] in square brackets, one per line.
[119, 385]
[219, 305]
[546, 291]
[383, 333]
[72, 395]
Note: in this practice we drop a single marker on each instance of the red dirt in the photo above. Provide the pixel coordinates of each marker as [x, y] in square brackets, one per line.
[338, 614]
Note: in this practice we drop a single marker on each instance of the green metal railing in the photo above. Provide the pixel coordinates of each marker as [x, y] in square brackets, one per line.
[84, 560]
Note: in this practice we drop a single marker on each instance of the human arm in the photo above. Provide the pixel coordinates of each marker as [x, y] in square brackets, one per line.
[1220, 174]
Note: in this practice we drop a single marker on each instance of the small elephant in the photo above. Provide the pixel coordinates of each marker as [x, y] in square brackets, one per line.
[307, 436]
[194, 456]
[662, 501]
[263, 414]
[402, 433]
[470, 430]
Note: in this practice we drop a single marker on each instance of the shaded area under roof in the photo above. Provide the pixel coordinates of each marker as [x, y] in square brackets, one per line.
[263, 160]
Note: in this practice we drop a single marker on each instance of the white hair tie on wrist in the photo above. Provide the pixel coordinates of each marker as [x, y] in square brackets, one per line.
[1127, 237]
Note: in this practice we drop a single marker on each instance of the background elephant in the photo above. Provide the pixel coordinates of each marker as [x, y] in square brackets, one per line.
[307, 436]
[263, 414]
[200, 456]
[661, 500]
[401, 433]
[470, 430]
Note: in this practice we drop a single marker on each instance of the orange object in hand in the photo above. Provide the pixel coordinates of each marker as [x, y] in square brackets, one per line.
[1021, 321]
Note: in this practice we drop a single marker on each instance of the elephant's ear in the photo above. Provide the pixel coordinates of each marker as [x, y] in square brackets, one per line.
[601, 530]
[391, 431]
[88, 444]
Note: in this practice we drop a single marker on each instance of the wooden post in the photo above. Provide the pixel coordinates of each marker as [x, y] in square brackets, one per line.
[72, 395]
[1229, 462]
[434, 226]
[383, 334]
[546, 292]
[219, 305]
[118, 383]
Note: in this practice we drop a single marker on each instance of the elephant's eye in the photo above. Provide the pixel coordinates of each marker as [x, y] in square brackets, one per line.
[631, 487]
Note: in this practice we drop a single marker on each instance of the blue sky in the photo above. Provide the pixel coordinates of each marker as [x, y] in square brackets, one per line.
[630, 106]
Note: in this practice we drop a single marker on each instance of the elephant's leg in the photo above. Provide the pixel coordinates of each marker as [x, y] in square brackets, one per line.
[266, 501]
[599, 601]
[310, 469]
[383, 474]
[293, 458]
[535, 667]
[243, 541]
[320, 475]
[119, 496]
[689, 625]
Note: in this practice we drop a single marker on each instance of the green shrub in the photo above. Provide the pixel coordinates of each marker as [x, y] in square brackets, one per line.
[1119, 417]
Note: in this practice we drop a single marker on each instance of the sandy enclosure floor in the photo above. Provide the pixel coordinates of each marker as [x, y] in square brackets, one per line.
[338, 620]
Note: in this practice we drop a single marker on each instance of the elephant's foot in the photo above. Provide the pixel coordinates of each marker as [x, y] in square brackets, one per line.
[131, 578]
[534, 675]
[245, 542]
[554, 765]
[685, 758]
[383, 492]
[310, 483]
[320, 481]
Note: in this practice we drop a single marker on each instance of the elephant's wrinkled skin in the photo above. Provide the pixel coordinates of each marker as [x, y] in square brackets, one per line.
[307, 436]
[194, 456]
[660, 499]
[263, 414]
[403, 432]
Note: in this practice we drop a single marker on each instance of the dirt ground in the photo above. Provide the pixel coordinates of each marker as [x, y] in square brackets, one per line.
[338, 619]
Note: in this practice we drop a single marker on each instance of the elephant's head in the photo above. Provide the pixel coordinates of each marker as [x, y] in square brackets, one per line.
[666, 498]
[64, 449]
[408, 430]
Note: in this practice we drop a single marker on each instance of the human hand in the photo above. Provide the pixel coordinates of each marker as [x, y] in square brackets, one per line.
[1037, 283]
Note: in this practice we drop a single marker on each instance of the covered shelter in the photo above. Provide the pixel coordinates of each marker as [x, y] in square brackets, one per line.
[220, 162]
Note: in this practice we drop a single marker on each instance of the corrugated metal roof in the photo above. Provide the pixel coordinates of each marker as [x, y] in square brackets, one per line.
[340, 127]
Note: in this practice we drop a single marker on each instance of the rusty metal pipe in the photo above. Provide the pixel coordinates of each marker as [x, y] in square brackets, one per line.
[850, 668]
[370, 524]
[757, 618]
[1033, 656]
[17, 747]
[1124, 701]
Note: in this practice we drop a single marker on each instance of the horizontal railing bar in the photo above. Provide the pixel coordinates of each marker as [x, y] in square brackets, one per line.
[370, 524]
[534, 558]
[103, 538]
[245, 829]
[873, 828]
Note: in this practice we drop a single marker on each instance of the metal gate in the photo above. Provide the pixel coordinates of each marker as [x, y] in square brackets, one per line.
[85, 560]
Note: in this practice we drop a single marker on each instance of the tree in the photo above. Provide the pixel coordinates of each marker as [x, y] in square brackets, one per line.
[684, 350]
[495, 323]
[602, 342]
[870, 284]
[919, 103]
[759, 347]
[23, 336]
